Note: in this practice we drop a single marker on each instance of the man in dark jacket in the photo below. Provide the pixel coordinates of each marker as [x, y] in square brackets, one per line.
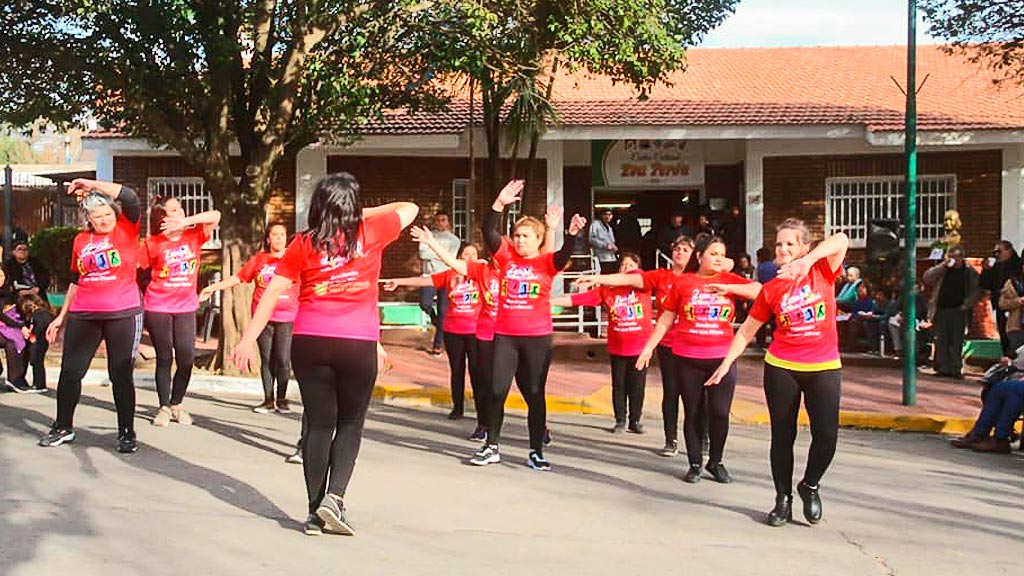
[1003, 265]
[25, 273]
[955, 291]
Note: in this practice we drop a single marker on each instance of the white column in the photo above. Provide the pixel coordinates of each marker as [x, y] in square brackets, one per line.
[754, 197]
[1012, 206]
[551, 152]
[310, 167]
[105, 164]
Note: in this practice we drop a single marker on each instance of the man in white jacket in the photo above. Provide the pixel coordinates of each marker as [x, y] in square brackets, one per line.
[431, 264]
[602, 242]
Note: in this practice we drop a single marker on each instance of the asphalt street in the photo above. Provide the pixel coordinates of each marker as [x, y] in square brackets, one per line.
[218, 498]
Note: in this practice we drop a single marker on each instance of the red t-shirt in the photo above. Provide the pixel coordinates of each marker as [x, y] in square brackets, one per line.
[524, 303]
[659, 282]
[260, 270]
[174, 271]
[805, 337]
[485, 276]
[704, 318]
[106, 265]
[463, 301]
[338, 296]
[630, 315]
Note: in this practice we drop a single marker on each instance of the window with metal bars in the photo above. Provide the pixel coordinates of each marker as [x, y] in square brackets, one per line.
[852, 202]
[191, 192]
[462, 217]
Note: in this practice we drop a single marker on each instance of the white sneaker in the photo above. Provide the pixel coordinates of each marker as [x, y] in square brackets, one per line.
[488, 454]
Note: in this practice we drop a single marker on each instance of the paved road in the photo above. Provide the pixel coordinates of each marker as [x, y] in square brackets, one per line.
[217, 498]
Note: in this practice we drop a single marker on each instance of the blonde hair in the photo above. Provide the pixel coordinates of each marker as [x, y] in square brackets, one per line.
[797, 225]
[530, 222]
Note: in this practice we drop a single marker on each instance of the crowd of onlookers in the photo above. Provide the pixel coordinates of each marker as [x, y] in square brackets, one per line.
[25, 313]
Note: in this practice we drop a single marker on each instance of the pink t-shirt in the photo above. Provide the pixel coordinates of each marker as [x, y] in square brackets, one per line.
[659, 282]
[463, 301]
[805, 337]
[630, 316]
[338, 296]
[485, 276]
[704, 318]
[260, 270]
[524, 303]
[174, 271]
[106, 265]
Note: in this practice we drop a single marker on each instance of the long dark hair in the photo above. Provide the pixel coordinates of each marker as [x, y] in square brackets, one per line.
[701, 246]
[335, 215]
[157, 213]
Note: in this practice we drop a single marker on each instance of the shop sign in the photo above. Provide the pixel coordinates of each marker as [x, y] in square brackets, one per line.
[651, 164]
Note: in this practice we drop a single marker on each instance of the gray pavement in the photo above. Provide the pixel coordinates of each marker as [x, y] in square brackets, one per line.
[217, 498]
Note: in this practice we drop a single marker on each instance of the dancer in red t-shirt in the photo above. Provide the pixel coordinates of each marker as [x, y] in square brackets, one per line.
[803, 360]
[465, 298]
[103, 304]
[630, 317]
[701, 309]
[170, 258]
[659, 283]
[336, 265]
[523, 328]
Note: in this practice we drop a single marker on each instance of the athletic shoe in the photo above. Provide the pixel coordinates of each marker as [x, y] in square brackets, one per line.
[479, 434]
[266, 408]
[295, 458]
[671, 448]
[314, 526]
[619, 428]
[19, 387]
[181, 416]
[536, 461]
[57, 436]
[718, 472]
[692, 475]
[332, 512]
[282, 406]
[38, 389]
[455, 415]
[163, 417]
[547, 436]
[488, 454]
[636, 427]
[126, 443]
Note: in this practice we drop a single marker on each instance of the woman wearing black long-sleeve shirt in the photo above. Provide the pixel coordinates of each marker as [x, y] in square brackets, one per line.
[523, 329]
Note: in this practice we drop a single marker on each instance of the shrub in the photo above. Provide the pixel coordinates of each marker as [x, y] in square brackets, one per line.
[53, 246]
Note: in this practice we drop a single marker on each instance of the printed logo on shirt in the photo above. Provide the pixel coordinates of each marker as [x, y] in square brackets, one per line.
[328, 263]
[266, 274]
[520, 289]
[180, 261]
[98, 257]
[802, 306]
[627, 307]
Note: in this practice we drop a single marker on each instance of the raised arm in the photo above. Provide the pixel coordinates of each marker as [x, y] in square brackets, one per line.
[208, 220]
[426, 238]
[832, 248]
[571, 238]
[508, 195]
[407, 211]
[552, 220]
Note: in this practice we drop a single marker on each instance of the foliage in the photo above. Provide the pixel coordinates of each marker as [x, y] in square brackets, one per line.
[53, 246]
[15, 151]
[990, 33]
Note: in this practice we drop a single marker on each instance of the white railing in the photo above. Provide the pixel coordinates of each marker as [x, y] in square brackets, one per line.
[191, 192]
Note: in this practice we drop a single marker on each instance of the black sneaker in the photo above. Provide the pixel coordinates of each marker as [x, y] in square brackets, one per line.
[38, 389]
[332, 512]
[693, 474]
[19, 387]
[547, 436]
[479, 434]
[296, 457]
[455, 415]
[671, 449]
[126, 443]
[636, 427]
[718, 472]
[488, 454]
[536, 461]
[57, 436]
[314, 526]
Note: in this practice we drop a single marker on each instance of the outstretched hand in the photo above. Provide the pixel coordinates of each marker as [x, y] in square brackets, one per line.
[388, 285]
[421, 234]
[585, 283]
[577, 224]
[553, 217]
[511, 192]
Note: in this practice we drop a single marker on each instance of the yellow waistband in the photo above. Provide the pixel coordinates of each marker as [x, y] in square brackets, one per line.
[801, 366]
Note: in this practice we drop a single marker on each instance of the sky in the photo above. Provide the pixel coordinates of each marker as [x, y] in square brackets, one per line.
[768, 23]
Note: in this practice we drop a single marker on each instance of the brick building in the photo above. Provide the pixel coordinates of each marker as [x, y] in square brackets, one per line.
[809, 132]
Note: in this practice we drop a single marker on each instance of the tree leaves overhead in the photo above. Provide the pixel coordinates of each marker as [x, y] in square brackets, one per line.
[989, 32]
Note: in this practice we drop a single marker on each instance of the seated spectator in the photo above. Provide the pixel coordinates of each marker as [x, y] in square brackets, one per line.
[1003, 405]
[924, 334]
[848, 292]
[744, 267]
[862, 313]
[1011, 302]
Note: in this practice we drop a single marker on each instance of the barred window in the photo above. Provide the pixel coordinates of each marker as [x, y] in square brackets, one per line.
[852, 202]
[462, 218]
[194, 198]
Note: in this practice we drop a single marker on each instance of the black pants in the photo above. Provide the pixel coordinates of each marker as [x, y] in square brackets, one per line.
[81, 339]
[820, 390]
[15, 361]
[948, 326]
[37, 359]
[275, 345]
[628, 385]
[427, 295]
[610, 267]
[174, 338]
[669, 393]
[336, 377]
[483, 378]
[691, 374]
[460, 349]
[527, 358]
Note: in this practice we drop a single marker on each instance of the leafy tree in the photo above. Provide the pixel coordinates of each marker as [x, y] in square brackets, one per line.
[989, 33]
[15, 151]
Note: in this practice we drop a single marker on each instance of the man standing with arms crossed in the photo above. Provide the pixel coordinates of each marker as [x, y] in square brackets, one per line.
[431, 264]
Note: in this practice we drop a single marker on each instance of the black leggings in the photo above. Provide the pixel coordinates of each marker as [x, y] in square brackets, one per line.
[174, 338]
[821, 391]
[336, 377]
[527, 358]
[81, 339]
[669, 393]
[460, 348]
[691, 374]
[275, 344]
[483, 380]
[627, 388]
